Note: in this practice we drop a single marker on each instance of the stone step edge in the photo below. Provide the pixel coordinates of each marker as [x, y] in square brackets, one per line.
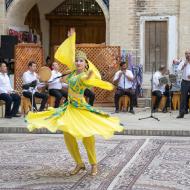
[19, 130]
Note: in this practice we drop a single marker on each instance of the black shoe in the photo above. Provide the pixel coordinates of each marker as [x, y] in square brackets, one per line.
[17, 115]
[116, 111]
[186, 112]
[180, 116]
[132, 111]
[164, 110]
[8, 117]
[154, 110]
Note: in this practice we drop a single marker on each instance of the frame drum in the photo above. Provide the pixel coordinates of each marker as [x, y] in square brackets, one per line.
[44, 74]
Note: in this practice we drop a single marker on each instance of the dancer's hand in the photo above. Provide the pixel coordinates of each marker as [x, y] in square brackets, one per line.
[71, 32]
[88, 75]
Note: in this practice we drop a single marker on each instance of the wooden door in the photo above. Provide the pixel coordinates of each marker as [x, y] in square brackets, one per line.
[88, 30]
[156, 45]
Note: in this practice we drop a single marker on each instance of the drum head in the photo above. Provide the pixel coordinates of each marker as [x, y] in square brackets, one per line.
[44, 74]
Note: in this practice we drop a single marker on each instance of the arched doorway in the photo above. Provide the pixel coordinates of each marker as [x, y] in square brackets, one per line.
[32, 20]
[85, 15]
[18, 10]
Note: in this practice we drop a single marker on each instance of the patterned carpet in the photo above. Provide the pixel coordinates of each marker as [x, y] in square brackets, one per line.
[29, 162]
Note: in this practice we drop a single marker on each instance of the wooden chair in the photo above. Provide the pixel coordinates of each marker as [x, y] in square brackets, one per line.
[162, 102]
[51, 101]
[2, 103]
[124, 103]
[176, 100]
[25, 105]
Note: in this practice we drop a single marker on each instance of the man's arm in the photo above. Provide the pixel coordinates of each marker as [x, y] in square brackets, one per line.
[129, 76]
[117, 77]
[156, 80]
[2, 90]
[25, 78]
[181, 66]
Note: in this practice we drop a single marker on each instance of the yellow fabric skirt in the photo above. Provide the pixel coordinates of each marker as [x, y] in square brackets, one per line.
[79, 123]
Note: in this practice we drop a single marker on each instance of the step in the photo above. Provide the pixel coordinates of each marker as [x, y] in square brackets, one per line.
[135, 132]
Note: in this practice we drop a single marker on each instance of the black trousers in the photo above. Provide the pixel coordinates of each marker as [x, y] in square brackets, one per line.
[12, 103]
[188, 98]
[167, 94]
[42, 96]
[121, 92]
[185, 89]
[58, 94]
[89, 94]
[158, 95]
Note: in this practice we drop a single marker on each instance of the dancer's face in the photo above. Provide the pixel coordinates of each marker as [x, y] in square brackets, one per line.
[80, 64]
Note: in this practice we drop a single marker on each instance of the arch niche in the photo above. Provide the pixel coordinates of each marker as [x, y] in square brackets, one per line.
[19, 9]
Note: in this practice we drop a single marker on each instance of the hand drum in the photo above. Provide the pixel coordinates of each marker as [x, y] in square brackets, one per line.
[44, 74]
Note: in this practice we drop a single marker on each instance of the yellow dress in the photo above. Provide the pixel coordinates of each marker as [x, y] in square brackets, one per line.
[76, 117]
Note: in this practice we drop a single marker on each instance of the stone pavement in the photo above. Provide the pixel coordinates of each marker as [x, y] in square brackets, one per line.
[41, 162]
[168, 124]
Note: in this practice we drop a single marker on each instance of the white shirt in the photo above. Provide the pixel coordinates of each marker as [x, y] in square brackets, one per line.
[5, 84]
[56, 84]
[156, 84]
[124, 82]
[185, 71]
[28, 77]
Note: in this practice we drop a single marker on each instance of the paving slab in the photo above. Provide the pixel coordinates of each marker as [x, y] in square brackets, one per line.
[41, 162]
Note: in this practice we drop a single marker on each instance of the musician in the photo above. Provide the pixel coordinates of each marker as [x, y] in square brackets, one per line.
[7, 94]
[28, 77]
[184, 66]
[159, 90]
[56, 86]
[48, 62]
[123, 79]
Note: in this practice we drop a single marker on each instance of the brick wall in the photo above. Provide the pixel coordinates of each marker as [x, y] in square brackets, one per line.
[3, 20]
[184, 26]
[125, 20]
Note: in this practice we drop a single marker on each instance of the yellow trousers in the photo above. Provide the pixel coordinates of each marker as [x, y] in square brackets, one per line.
[72, 146]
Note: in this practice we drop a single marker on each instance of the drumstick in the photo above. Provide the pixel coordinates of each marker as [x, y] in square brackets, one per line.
[65, 74]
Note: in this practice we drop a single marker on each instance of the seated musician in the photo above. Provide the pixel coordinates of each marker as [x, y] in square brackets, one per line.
[55, 86]
[29, 77]
[123, 80]
[7, 94]
[159, 89]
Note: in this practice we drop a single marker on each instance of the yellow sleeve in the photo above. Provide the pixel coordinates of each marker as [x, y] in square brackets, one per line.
[65, 54]
[96, 82]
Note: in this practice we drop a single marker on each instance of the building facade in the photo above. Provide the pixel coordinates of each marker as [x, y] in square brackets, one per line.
[156, 32]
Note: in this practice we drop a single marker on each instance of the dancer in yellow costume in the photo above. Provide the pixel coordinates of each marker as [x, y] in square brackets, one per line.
[76, 118]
